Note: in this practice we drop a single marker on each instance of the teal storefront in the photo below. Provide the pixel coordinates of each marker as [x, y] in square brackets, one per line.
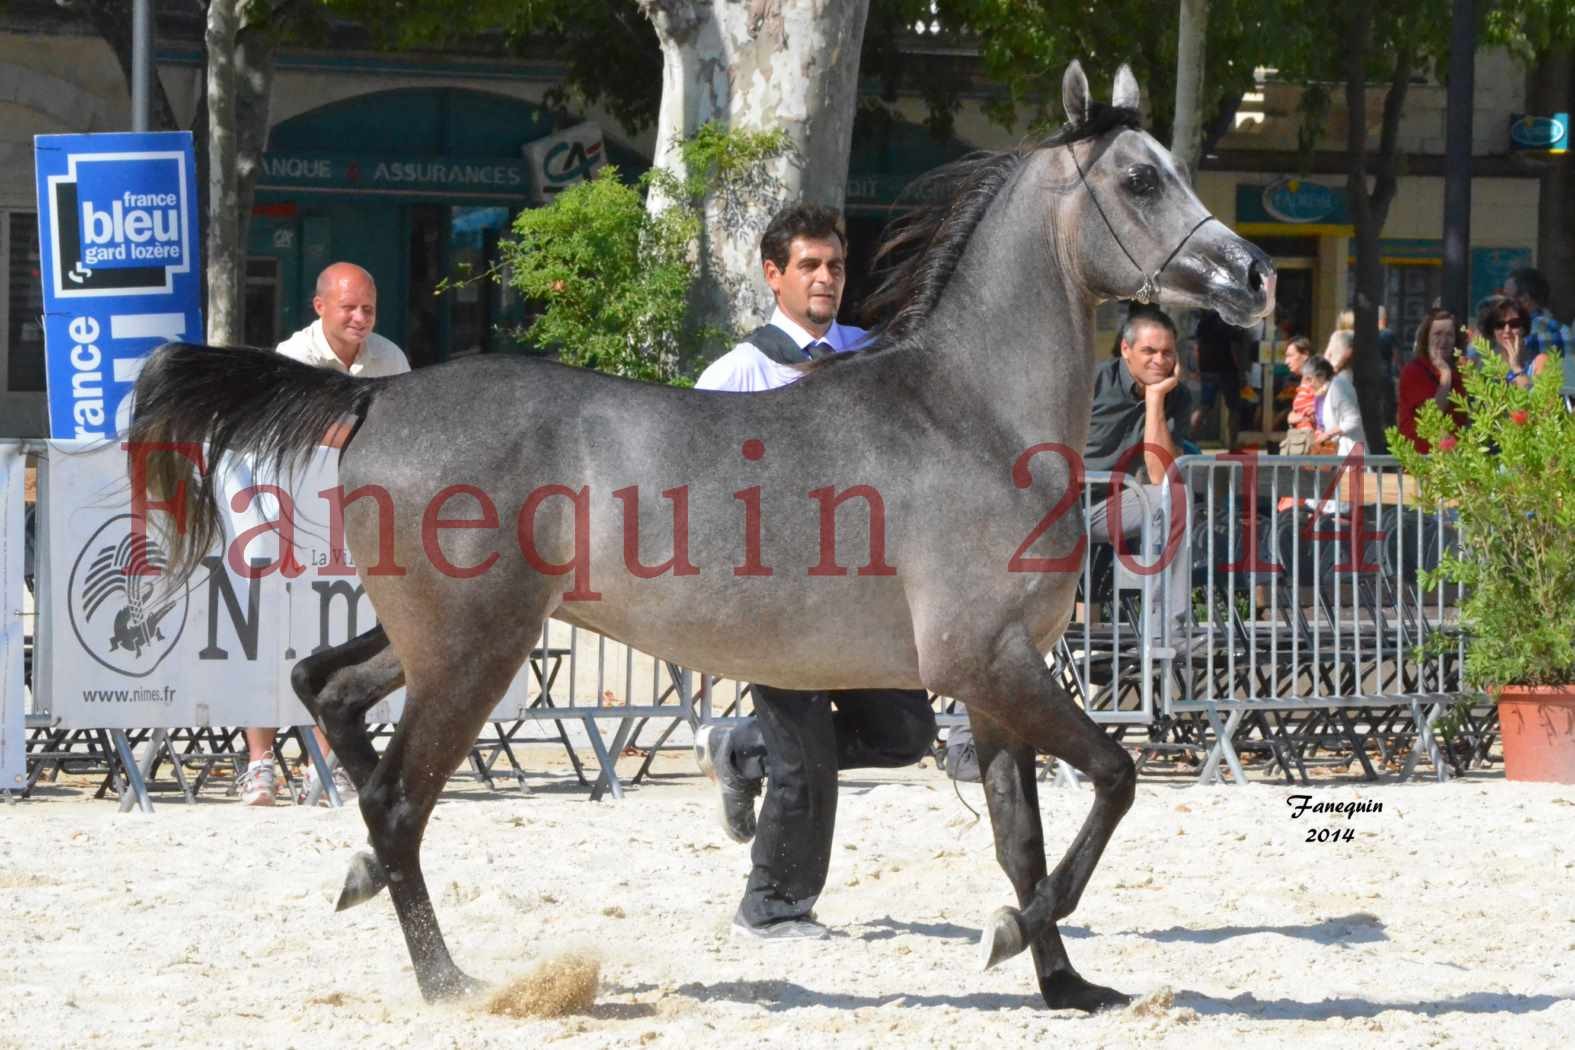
[888, 153]
[415, 185]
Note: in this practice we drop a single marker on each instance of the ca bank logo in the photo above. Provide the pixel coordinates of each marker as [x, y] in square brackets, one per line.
[570, 161]
[122, 609]
[120, 224]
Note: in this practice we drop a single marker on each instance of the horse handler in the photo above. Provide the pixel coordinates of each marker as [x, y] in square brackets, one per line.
[798, 741]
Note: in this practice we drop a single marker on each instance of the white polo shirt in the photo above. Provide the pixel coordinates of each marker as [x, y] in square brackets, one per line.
[378, 356]
[746, 370]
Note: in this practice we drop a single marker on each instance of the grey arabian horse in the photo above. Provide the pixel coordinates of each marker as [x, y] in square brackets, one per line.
[499, 492]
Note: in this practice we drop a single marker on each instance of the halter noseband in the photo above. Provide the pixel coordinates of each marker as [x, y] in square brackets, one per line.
[1149, 292]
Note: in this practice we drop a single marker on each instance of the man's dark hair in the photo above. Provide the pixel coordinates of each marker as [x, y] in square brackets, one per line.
[800, 220]
[1530, 282]
[1146, 315]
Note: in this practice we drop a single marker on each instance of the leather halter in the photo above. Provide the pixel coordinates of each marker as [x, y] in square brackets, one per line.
[1149, 291]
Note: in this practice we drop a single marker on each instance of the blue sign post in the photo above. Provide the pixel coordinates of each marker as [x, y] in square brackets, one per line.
[117, 231]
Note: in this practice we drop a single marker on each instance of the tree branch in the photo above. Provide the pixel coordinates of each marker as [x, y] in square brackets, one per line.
[1389, 137]
[1358, 24]
[676, 21]
[1221, 123]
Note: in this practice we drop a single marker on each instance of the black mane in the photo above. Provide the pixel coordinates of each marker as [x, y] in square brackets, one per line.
[919, 250]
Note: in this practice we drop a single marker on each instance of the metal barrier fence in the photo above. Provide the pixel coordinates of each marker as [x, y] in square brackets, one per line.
[1302, 640]
[1310, 623]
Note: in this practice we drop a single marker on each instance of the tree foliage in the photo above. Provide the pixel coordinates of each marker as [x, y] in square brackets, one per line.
[1025, 46]
[614, 280]
[609, 47]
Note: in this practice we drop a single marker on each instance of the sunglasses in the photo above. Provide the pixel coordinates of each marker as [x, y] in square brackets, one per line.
[1518, 323]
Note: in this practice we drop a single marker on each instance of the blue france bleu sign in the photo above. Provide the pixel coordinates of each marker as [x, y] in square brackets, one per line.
[117, 231]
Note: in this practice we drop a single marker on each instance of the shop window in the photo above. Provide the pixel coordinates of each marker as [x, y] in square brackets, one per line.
[482, 314]
[22, 310]
[422, 324]
[1409, 292]
[262, 301]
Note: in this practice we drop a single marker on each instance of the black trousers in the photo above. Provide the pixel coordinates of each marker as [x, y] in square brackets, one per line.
[800, 741]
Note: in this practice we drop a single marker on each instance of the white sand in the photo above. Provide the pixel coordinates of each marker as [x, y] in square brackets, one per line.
[1449, 921]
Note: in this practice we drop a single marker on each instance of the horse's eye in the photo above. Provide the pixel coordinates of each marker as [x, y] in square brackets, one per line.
[1142, 179]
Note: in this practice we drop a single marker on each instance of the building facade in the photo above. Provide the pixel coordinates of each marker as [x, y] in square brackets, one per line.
[414, 165]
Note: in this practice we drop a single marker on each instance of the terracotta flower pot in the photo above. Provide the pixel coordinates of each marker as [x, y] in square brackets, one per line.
[1537, 725]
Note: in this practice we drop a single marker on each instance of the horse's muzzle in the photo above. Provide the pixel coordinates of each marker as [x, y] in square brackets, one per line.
[1243, 289]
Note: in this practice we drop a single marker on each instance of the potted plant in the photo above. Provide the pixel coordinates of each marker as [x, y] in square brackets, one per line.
[1508, 475]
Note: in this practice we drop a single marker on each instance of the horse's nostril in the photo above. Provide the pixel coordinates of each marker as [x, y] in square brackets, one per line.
[1255, 277]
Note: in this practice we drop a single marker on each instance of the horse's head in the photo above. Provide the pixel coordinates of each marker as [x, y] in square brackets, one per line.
[1136, 228]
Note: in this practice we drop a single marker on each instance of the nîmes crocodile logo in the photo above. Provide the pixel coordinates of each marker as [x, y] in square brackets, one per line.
[123, 610]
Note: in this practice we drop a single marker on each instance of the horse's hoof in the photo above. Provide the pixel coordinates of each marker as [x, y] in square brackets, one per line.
[452, 983]
[365, 880]
[1001, 938]
[1068, 991]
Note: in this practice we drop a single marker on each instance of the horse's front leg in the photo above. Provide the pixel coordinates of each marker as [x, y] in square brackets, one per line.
[1027, 710]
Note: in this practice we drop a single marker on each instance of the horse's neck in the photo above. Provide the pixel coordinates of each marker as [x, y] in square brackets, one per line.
[1018, 329]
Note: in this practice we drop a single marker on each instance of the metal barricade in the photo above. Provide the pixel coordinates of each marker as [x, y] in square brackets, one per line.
[1310, 625]
[1308, 629]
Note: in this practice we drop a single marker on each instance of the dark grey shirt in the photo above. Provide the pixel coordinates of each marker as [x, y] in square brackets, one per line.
[1118, 416]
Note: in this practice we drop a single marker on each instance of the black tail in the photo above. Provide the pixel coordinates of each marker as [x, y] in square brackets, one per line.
[217, 403]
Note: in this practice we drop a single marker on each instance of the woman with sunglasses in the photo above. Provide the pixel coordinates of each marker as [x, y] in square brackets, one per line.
[1504, 324]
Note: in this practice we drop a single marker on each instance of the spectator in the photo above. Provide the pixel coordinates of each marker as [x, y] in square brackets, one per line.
[1504, 325]
[341, 339]
[1392, 356]
[1317, 374]
[1433, 373]
[1301, 421]
[1138, 403]
[1529, 289]
[1390, 349]
[1219, 364]
[1339, 415]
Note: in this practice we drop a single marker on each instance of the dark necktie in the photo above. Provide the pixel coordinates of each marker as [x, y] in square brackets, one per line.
[818, 349]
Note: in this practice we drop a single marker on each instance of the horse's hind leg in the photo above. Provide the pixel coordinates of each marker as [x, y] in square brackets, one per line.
[338, 686]
[449, 694]
[1029, 709]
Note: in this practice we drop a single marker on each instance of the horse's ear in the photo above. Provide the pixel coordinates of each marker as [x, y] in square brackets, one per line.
[1126, 96]
[1074, 93]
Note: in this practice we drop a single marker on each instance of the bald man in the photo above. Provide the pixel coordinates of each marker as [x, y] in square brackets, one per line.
[342, 339]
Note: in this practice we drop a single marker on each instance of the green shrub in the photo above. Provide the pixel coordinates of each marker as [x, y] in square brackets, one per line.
[615, 281]
[1509, 475]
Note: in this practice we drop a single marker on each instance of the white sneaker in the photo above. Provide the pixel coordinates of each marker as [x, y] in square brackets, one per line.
[257, 784]
[342, 783]
[805, 929]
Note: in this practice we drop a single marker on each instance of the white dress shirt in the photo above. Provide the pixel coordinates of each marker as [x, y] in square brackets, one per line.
[746, 370]
[378, 356]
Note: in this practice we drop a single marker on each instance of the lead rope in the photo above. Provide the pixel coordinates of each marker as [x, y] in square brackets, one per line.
[1149, 292]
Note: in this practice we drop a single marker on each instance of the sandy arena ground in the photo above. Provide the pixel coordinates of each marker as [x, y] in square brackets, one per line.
[1449, 921]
